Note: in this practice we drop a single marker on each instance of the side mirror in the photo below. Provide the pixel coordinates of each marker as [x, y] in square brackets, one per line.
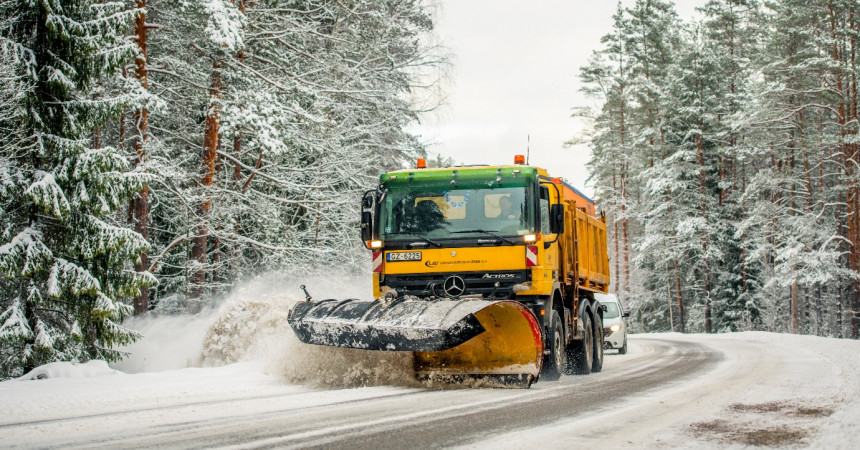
[367, 203]
[556, 218]
[625, 314]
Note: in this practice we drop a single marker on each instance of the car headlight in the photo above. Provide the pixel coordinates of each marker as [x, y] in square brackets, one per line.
[616, 327]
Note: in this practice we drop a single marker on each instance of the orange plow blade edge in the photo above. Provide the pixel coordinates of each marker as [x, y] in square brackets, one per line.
[509, 351]
[451, 340]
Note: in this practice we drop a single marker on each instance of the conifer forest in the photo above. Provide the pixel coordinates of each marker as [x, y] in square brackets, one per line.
[154, 154]
[725, 151]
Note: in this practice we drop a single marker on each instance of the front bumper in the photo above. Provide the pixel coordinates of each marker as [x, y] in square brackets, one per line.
[612, 340]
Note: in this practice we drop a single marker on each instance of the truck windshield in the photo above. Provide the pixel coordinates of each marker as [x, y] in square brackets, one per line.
[448, 212]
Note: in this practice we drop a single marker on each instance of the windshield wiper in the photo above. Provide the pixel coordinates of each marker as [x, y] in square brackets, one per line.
[432, 242]
[478, 230]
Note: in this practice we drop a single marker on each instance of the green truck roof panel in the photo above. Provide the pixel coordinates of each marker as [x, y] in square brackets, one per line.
[465, 176]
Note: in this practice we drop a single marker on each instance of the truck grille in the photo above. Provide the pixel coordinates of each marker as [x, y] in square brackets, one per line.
[477, 283]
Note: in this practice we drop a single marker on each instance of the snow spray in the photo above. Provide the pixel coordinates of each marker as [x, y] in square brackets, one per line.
[252, 326]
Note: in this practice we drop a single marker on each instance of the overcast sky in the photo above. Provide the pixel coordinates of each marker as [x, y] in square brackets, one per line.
[515, 74]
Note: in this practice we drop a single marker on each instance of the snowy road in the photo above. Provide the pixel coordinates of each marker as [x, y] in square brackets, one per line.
[670, 390]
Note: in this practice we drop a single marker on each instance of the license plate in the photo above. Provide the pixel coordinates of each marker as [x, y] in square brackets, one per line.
[403, 256]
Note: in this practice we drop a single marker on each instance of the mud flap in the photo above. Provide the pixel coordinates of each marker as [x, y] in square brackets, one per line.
[449, 337]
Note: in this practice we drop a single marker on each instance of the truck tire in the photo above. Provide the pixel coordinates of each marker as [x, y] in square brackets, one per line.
[555, 362]
[623, 349]
[581, 353]
[597, 364]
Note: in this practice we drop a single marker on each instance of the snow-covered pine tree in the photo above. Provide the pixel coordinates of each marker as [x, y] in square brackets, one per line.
[695, 127]
[652, 40]
[629, 135]
[733, 29]
[312, 106]
[65, 266]
[755, 190]
[606, 78]
[805, 122]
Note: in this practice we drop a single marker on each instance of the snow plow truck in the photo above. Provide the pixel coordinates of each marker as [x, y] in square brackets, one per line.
[484, 272]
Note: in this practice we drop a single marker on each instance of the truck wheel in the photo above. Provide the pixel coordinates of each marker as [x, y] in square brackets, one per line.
[623, 349]
[597, 365]
[581, 353]
[556, 360]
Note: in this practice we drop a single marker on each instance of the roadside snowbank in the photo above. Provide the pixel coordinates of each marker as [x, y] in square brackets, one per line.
[73, 369]
[106, 393]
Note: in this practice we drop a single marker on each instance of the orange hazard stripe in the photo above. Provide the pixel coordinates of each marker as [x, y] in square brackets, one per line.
[377, 262]
[531, 256]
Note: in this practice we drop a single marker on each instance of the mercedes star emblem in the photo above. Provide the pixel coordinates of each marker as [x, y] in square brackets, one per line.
[454, 286]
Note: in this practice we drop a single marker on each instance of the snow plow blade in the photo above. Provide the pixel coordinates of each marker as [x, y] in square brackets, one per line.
[451, 338]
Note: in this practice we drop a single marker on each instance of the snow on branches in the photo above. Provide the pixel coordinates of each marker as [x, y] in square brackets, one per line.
[726, 152]
[64, 261]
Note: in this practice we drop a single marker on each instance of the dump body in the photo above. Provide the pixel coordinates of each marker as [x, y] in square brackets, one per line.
[478, 270]
[585, 259]
[580, 200]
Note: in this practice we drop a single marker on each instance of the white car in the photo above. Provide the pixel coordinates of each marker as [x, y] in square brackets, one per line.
[614, 325]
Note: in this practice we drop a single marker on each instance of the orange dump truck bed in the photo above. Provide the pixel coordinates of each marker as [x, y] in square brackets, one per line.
[580, 199]
[585, 258]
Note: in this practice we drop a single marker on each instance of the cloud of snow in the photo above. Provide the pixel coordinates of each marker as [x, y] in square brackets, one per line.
[168, 342]
[250, 324]
[177, 341]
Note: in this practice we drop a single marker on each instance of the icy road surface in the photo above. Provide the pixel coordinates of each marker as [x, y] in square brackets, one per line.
[669, 391]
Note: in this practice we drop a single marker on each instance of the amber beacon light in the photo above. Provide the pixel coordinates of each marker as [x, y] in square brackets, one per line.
[520, 160]
[422, 163]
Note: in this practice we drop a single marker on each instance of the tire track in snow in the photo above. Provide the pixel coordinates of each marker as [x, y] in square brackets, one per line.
[440, 418]
[574, 397]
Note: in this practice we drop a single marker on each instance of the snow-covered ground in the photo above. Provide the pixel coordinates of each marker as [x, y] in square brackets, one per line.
[241, 369]
[770, 390]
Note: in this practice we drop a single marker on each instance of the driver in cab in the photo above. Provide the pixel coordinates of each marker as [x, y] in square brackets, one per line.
[509, 217]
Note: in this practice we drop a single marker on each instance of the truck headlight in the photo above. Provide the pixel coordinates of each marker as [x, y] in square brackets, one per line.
[616, 327]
